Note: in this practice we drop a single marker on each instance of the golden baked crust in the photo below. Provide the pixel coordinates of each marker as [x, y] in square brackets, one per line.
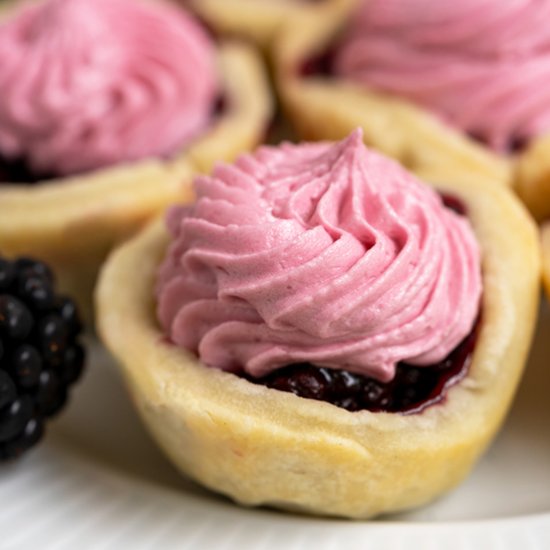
[262, 446]
[329, 108]
[546, 256]
[532, 178]
[73, 222]
[256, 20]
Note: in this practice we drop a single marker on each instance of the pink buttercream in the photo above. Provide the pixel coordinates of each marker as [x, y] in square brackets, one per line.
[482, 65]
[323, 253]
[89, 83]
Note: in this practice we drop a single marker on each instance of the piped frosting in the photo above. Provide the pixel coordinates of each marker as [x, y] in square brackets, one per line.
[91, 83]
[329, 254]
[481, 65]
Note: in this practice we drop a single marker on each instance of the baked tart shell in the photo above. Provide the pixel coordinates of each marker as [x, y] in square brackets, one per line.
[258, 21]
[265, 447]
[546, 256]
[532, 178]
[72, 223]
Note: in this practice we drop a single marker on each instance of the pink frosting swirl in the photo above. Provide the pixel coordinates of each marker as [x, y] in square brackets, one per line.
[482, 65]
[90, 83]
[323, 253]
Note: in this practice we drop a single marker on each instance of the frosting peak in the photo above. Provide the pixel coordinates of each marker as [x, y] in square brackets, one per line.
[323, 253]
[90, 83]
[482, 65]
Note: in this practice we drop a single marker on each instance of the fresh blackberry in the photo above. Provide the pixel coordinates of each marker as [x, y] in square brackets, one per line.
[16, 320]
[40, 353]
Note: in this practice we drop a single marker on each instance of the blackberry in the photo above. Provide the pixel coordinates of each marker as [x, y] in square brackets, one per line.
[40, 353]
[7, 274]
[411, 390]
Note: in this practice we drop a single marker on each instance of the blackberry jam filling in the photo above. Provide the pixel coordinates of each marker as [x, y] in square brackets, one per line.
[220, 106]
[18, 171]
[412, 390]
[453, 203]
[517, 144]
[320, 64]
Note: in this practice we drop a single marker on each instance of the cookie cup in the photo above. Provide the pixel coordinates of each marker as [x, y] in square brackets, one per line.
[329, 107]
[73, 222]
[260, 446]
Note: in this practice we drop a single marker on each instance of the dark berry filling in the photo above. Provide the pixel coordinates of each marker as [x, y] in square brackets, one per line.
[412, 390]
[517, 144]
[220, 106]
[40, 352]
[320, 64]
[18, 171]
[453, 203]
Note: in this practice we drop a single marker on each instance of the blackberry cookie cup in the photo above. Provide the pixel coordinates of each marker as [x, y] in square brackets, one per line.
[73, 222]
[321, 105]
[262, 446]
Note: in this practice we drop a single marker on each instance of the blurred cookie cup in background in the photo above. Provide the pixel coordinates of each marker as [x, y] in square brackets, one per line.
[455, 88]
[101, 126]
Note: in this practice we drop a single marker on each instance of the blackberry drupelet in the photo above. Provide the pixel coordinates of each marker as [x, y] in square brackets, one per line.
[40, 353]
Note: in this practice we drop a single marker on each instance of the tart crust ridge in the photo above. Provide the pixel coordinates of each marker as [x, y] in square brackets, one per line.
[258, 21]
[545, 236]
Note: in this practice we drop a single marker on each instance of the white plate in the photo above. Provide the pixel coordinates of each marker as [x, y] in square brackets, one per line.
[98, 482]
